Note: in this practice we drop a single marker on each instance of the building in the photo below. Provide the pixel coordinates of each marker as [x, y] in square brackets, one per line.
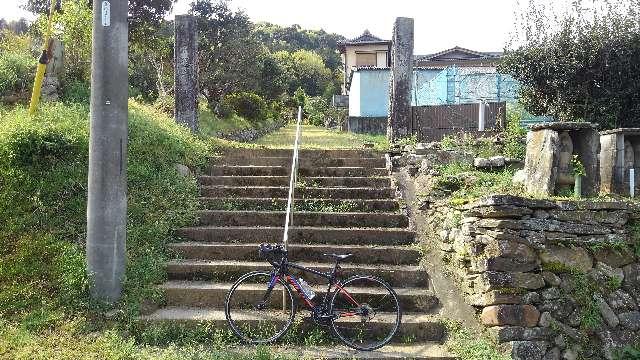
[459, 57]
[450, 77]
[367, 51]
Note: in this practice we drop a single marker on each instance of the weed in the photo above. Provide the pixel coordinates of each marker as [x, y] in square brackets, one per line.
[468, 345]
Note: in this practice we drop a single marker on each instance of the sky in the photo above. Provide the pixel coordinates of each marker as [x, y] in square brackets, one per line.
[481, 25]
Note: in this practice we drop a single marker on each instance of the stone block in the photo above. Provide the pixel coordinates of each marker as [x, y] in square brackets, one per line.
[510, 249]
[518, 315]
[519, 333]
[630, 320]
[481, 163]
[493, 298]
[528, 350]
[621, 301]
[497, 161]
[551, 279]
[632, 275]
[541, 163]
[506, 264]
[615, 258]
[575, 258]
[500, 211]
[492, 280]
[607, 313]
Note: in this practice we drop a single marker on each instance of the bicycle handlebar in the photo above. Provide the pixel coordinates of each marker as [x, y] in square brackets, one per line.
[269, 251]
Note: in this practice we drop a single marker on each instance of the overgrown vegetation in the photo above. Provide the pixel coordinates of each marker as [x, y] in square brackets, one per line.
[462, 182]
[579, 64]
[43, 172]
[468, 345]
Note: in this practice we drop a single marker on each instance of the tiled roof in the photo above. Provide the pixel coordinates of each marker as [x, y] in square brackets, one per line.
[365, 38]
[479, 54]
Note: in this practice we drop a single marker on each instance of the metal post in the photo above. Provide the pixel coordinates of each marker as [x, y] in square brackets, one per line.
[481, 115]
[107, 191]
[632, 182]
[292, 188]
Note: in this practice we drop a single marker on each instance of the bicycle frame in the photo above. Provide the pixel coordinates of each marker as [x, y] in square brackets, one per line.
[332, 281]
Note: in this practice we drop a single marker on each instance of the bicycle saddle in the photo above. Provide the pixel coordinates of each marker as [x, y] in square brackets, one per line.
[339, 256]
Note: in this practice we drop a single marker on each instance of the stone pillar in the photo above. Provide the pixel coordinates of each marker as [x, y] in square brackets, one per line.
[400, 119]
[186, 71]
[51, 89]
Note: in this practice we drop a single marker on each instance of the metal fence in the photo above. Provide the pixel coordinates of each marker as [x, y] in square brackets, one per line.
[433, 122]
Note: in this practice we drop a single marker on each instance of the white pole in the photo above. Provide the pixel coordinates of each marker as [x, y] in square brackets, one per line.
[481, 112]
[632, 182]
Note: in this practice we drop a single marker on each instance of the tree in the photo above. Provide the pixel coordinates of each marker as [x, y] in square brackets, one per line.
[227, 51]
[144, 15]
[293, 38]
[305, 69]
[583, 66]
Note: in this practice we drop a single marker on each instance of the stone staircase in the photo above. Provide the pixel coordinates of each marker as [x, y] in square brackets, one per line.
[345, 203]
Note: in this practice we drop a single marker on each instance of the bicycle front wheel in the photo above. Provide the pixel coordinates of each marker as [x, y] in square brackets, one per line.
[259, 308]
[366, 312]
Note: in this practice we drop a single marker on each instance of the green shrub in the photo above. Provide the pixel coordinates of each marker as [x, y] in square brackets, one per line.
[43, 186]
[16, 72]
[165, 104]
[316, 110]
[246, 104]
[76, 92]
[514, 146]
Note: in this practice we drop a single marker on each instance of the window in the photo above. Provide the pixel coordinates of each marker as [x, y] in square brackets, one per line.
[366, 59]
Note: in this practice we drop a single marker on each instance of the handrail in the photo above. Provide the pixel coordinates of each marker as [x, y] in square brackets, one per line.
[292, 182]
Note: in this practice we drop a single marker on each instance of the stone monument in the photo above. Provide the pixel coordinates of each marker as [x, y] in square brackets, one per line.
[54, 71]
[551, 148]
[619, 153]
[186, 71]
[400, 118]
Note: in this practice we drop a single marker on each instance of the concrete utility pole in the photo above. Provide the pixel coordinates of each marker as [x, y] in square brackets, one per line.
[400, 118]
[107, 198]
[186, 71]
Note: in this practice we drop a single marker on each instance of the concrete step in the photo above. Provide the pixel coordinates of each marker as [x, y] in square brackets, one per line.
[303, 162]
[229, 270]
[282, 191]
[376, 182]
[276, 218]
[303, 153]
[223, 170]
[418, 327]
[393, 255]
[415, 351]
[320, 205]
[212, 294]
[299, 235]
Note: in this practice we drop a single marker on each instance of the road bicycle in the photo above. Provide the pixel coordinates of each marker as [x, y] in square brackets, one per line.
[363, 311]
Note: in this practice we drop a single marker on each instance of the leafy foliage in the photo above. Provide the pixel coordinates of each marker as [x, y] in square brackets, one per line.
[248, 105]
[228, 50]
[43, 172]
[581, 65]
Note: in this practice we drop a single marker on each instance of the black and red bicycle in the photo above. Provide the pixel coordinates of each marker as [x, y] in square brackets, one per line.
[363, 310]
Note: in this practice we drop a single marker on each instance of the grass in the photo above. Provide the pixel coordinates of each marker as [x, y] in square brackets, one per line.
[211, 125]
[313, 137]
[464, 183]
[468, 345]
[44, 301]
[72, 342]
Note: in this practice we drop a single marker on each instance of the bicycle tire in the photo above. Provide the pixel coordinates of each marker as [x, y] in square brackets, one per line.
[251, 293]
[389, 319]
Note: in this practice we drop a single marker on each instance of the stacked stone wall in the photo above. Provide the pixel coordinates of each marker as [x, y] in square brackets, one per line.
[553, 279]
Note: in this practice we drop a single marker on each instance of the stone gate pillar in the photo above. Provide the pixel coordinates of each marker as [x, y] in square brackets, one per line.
[399, 124]
[186, 71]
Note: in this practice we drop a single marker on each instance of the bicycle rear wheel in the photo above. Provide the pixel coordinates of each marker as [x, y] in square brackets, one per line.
[256, 315]
[366, 312]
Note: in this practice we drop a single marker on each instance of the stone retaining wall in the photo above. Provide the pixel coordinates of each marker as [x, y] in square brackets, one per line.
[554, 279]
[248, 135]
